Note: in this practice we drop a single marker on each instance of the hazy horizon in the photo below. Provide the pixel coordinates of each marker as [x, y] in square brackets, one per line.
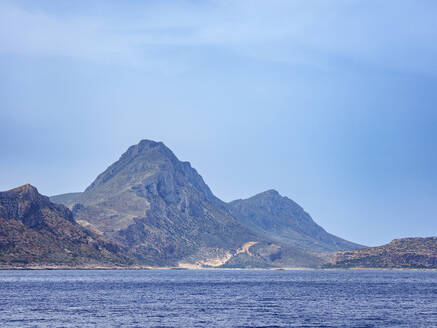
[333, 105]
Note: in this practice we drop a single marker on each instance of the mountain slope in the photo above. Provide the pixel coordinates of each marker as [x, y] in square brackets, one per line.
[400, 253]
[280, 219]
[163, 212]
[66, 199]
[34, 231]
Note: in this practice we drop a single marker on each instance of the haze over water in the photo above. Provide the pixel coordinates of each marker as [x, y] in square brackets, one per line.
[218, 298]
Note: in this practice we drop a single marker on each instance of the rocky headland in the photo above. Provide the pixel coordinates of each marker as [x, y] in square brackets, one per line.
[34, 232]
[403, 253]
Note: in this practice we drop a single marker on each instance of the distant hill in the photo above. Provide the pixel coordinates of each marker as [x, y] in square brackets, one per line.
[161, 210]
[66, 199]
[37, 232]
[281, 219]
[410, 253]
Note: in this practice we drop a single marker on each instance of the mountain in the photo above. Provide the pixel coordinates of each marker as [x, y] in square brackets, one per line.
[400, 253]
[161, 210]
[37, 232]
[281, 219]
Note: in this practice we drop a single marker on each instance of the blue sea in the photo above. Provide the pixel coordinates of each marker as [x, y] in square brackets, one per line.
[217, 298]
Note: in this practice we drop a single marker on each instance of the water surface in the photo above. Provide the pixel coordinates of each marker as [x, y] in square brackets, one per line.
[218, 298]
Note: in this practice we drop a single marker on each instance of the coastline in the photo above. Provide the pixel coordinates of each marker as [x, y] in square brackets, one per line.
[141, 267]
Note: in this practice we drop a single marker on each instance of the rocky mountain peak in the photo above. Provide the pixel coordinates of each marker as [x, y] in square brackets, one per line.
[34, 231]
[26, 194]
[146, 167]
[271, 196]
[282, 219]
[25, 187]
[139, 162]
[27, 191]
[270, 193]
[145, 147]
[272, 200]
[26, 204]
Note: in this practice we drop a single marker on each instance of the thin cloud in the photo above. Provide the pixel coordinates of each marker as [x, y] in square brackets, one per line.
[393, 34]
[40, 34]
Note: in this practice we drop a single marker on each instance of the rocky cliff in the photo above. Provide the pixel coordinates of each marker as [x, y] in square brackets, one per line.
[37, 232]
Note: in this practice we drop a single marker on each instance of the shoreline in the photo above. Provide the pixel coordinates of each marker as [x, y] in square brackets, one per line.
[139, 267]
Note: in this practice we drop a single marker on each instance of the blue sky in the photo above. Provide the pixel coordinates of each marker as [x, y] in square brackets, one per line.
[331, 103]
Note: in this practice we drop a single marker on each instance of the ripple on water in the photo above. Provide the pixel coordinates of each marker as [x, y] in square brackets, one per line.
[218, 298]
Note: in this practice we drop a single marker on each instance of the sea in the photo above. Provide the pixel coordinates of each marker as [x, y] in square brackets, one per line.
[218, 298]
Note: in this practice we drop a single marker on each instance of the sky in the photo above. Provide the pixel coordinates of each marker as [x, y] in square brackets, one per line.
[332, 103]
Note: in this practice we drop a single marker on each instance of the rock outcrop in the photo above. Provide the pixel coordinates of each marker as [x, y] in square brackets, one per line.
[403, 253]
[36, 232]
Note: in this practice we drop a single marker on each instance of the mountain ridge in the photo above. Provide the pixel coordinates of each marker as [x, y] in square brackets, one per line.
[151, 209]
[162, 210]
[282, 219]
